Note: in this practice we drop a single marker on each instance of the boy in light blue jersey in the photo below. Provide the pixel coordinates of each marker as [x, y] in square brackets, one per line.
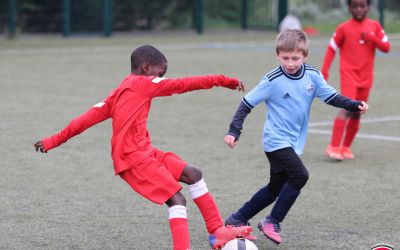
[288, 92]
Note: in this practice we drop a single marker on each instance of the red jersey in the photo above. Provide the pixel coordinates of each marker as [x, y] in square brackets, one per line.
[128, 106]
[357, 54]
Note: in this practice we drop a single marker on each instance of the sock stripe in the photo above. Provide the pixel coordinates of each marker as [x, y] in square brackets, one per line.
[198, 189]
[177, 211]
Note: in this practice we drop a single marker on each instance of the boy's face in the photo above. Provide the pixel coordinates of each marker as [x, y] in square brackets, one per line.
[359, 9]
[291, 61]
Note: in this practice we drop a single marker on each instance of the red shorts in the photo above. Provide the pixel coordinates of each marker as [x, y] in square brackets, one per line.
[156, 177]
[355, 93]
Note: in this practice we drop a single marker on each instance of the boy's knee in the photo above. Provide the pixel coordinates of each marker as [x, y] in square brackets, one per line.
[176, 199]
[299, 181]
[191, 175]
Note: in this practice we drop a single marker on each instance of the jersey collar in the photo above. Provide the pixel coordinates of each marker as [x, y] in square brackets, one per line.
[298, 75]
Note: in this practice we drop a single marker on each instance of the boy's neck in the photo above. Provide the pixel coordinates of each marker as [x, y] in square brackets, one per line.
[359, 20]
[298, 72]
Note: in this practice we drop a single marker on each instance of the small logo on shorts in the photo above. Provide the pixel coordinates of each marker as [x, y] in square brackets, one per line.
[382, 246]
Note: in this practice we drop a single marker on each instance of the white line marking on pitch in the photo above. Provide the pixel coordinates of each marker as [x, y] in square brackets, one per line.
[359, 135]
[367, 120]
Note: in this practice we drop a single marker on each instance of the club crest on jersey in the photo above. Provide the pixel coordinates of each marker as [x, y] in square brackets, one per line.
[310, 88]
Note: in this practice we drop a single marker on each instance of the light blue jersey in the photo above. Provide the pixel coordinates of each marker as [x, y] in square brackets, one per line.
[288, 100]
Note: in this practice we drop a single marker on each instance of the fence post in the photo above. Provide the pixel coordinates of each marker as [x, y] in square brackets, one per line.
[381, 8]
[244, 14]
[198, 14]
[107, 18]
[66, 18]
[282, 11]
[12, 18]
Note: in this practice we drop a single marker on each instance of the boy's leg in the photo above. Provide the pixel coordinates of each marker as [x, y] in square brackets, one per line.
[219, 234]
[207, 206]
[333, 149]
[352, 128]
[154, 181]
[288, 160]
[257, 202]
[339, 125]
[178, 224]
[192, 176]
[353, 125]
[199, 192]
[265, 196]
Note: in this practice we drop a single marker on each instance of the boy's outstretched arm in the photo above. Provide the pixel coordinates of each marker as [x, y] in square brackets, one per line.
[236, 125]
[166, 86]
[94, 115]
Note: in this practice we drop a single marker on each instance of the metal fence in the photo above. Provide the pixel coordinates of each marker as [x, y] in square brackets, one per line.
[103, 16]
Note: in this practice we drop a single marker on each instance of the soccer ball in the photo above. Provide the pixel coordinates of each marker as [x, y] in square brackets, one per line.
[240, 244]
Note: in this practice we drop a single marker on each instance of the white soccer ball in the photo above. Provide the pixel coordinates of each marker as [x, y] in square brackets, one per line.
[240, 244]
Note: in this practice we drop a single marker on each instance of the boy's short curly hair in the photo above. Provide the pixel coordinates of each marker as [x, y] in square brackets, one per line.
[147, 53]
[349, 2]
[292, 40]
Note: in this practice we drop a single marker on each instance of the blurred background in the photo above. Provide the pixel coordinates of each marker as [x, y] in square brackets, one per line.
[105, 17]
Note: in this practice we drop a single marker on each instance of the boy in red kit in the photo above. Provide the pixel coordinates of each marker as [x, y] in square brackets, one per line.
[152, 173]
[357, 40]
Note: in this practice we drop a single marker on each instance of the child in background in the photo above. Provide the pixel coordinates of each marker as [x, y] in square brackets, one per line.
[152, 173]
[288, 92]
[357, 39]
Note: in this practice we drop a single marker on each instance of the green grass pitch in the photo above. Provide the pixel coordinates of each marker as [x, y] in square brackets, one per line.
[70, 199]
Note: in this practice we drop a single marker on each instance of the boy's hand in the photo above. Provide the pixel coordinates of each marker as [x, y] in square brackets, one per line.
[230, 141]
[369, 37]
[363, 107]
[40, 147]
[240, 87]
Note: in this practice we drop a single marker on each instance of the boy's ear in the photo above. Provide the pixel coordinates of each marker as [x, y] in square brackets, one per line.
[145, 68]
[306, 56]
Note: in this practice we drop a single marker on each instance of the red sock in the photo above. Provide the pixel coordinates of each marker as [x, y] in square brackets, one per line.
[207, 206]
[178, 225]
[337, 132]
[351, 130]
[210, 212]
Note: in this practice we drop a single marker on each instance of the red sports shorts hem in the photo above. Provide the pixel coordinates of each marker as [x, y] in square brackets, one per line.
[157, 177]
[356, 93]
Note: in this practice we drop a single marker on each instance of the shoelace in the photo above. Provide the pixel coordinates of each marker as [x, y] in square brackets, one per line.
[277, 227]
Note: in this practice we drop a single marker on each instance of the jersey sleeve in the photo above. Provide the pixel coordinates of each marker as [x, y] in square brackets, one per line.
[258, 94]
[160, 86]
[94, 115]
[323, 90]
[236, 124]
[382, 41]
[337, 38]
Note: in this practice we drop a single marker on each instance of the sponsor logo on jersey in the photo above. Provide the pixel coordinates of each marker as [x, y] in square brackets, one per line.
[310, 89]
